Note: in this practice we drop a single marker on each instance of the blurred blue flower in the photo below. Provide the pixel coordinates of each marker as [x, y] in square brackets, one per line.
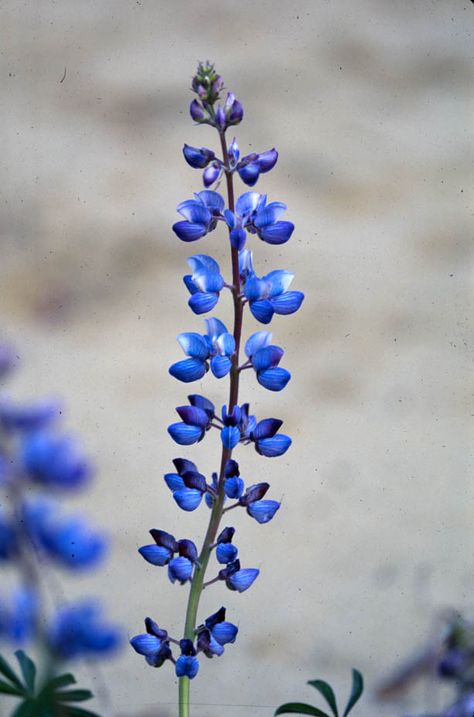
[18, 615]
[54, 461]
[78, 630]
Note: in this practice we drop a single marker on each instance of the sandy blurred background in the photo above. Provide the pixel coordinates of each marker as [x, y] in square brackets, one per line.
[368, 104]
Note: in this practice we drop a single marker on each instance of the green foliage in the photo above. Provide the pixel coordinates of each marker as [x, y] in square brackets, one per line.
[51, 699]
[327, 692]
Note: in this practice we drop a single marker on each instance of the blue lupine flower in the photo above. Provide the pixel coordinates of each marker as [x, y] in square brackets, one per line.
[187, 485]
[265, 359]
[267, 441]
[69, 541]
[237, 578]
[217, 345]
[8, 538]
[78, 631]
[180, 569]
[187, 665]
[204, 284]
[196, 421]
[230, 434]
[251, 166]
[162, 551]
[28, 417]
[201, 215]
[19, 615]
[253, 214]
[215, 633]
[54, 461]
[263, 510]
[153, 644]
[268, 295]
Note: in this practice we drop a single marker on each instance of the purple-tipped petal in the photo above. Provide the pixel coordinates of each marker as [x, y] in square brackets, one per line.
[287, 303]
[266, 428]
[274, 379]
[185, 435]
[278, 233]
[242, 579]
[263, 510]
[155, 554]
[193, 415]
[188, 370]
[273, 447]
[186, 231]
[188, 498]
[267, 160]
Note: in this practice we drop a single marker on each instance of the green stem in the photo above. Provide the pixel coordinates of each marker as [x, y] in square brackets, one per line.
[216, 513]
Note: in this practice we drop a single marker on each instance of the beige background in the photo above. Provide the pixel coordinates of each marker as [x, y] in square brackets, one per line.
[368, 104]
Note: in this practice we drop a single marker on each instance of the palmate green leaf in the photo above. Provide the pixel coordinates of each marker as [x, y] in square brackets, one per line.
[356, 692]
[28, 669]
[300, 708]
[7, 672]
[327, 692]
[60, 681]
[79, 712]
[74, 696]
[7, 689]
[26, 709]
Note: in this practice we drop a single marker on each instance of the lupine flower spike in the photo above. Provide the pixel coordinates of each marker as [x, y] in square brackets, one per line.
[220, 351]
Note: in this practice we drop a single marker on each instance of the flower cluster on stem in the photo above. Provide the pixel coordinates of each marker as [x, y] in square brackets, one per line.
[219, 350]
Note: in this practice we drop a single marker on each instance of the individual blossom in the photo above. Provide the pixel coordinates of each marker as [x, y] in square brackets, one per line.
[78, 630]
[187, 484]
[200, 214]
[254, 215]
[268, 442]
[162, 551]
[213, 349]
[153, 645]
[204, 284]
[264, 358]
[237, 578]
[197, 418]
[215, 633]
[269, 294]
[187, 665]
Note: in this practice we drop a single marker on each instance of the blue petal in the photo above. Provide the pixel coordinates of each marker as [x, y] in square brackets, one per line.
[249, 173]
[180, 569]
[188, 370]
[266, 428]
[203, 263]
[220, 366]
[226, 553]
[212, 200]
[267, 357]
[190, 285]
[234, 487]
[226, 344]
[195, 212]
[145, 644]
[288, 303]
[269, 214]
[215, 328]
[189, 232]
[183, 434]
[193, 345]
[187, 666]
[238, 237]
[230, 219]
[211, 174]
[262, 310]
[202, 302]
[257, 341]
[225, 632]
[278, 233]
[242, 579]
[245, 262]
[155, 554]
[267, 160]
[230, 436]
[279, 281]
[193, 415]
[188, 498]
[256, 288]
[174, 481]
[197, 157]
[247, 203]
[263, 510]
[274, 379]
[273, 447]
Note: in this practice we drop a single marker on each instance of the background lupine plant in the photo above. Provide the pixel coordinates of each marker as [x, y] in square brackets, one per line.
[248, 217]
[38, 466]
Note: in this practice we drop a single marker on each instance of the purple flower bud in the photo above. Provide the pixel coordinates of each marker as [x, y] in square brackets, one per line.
[198, 113]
